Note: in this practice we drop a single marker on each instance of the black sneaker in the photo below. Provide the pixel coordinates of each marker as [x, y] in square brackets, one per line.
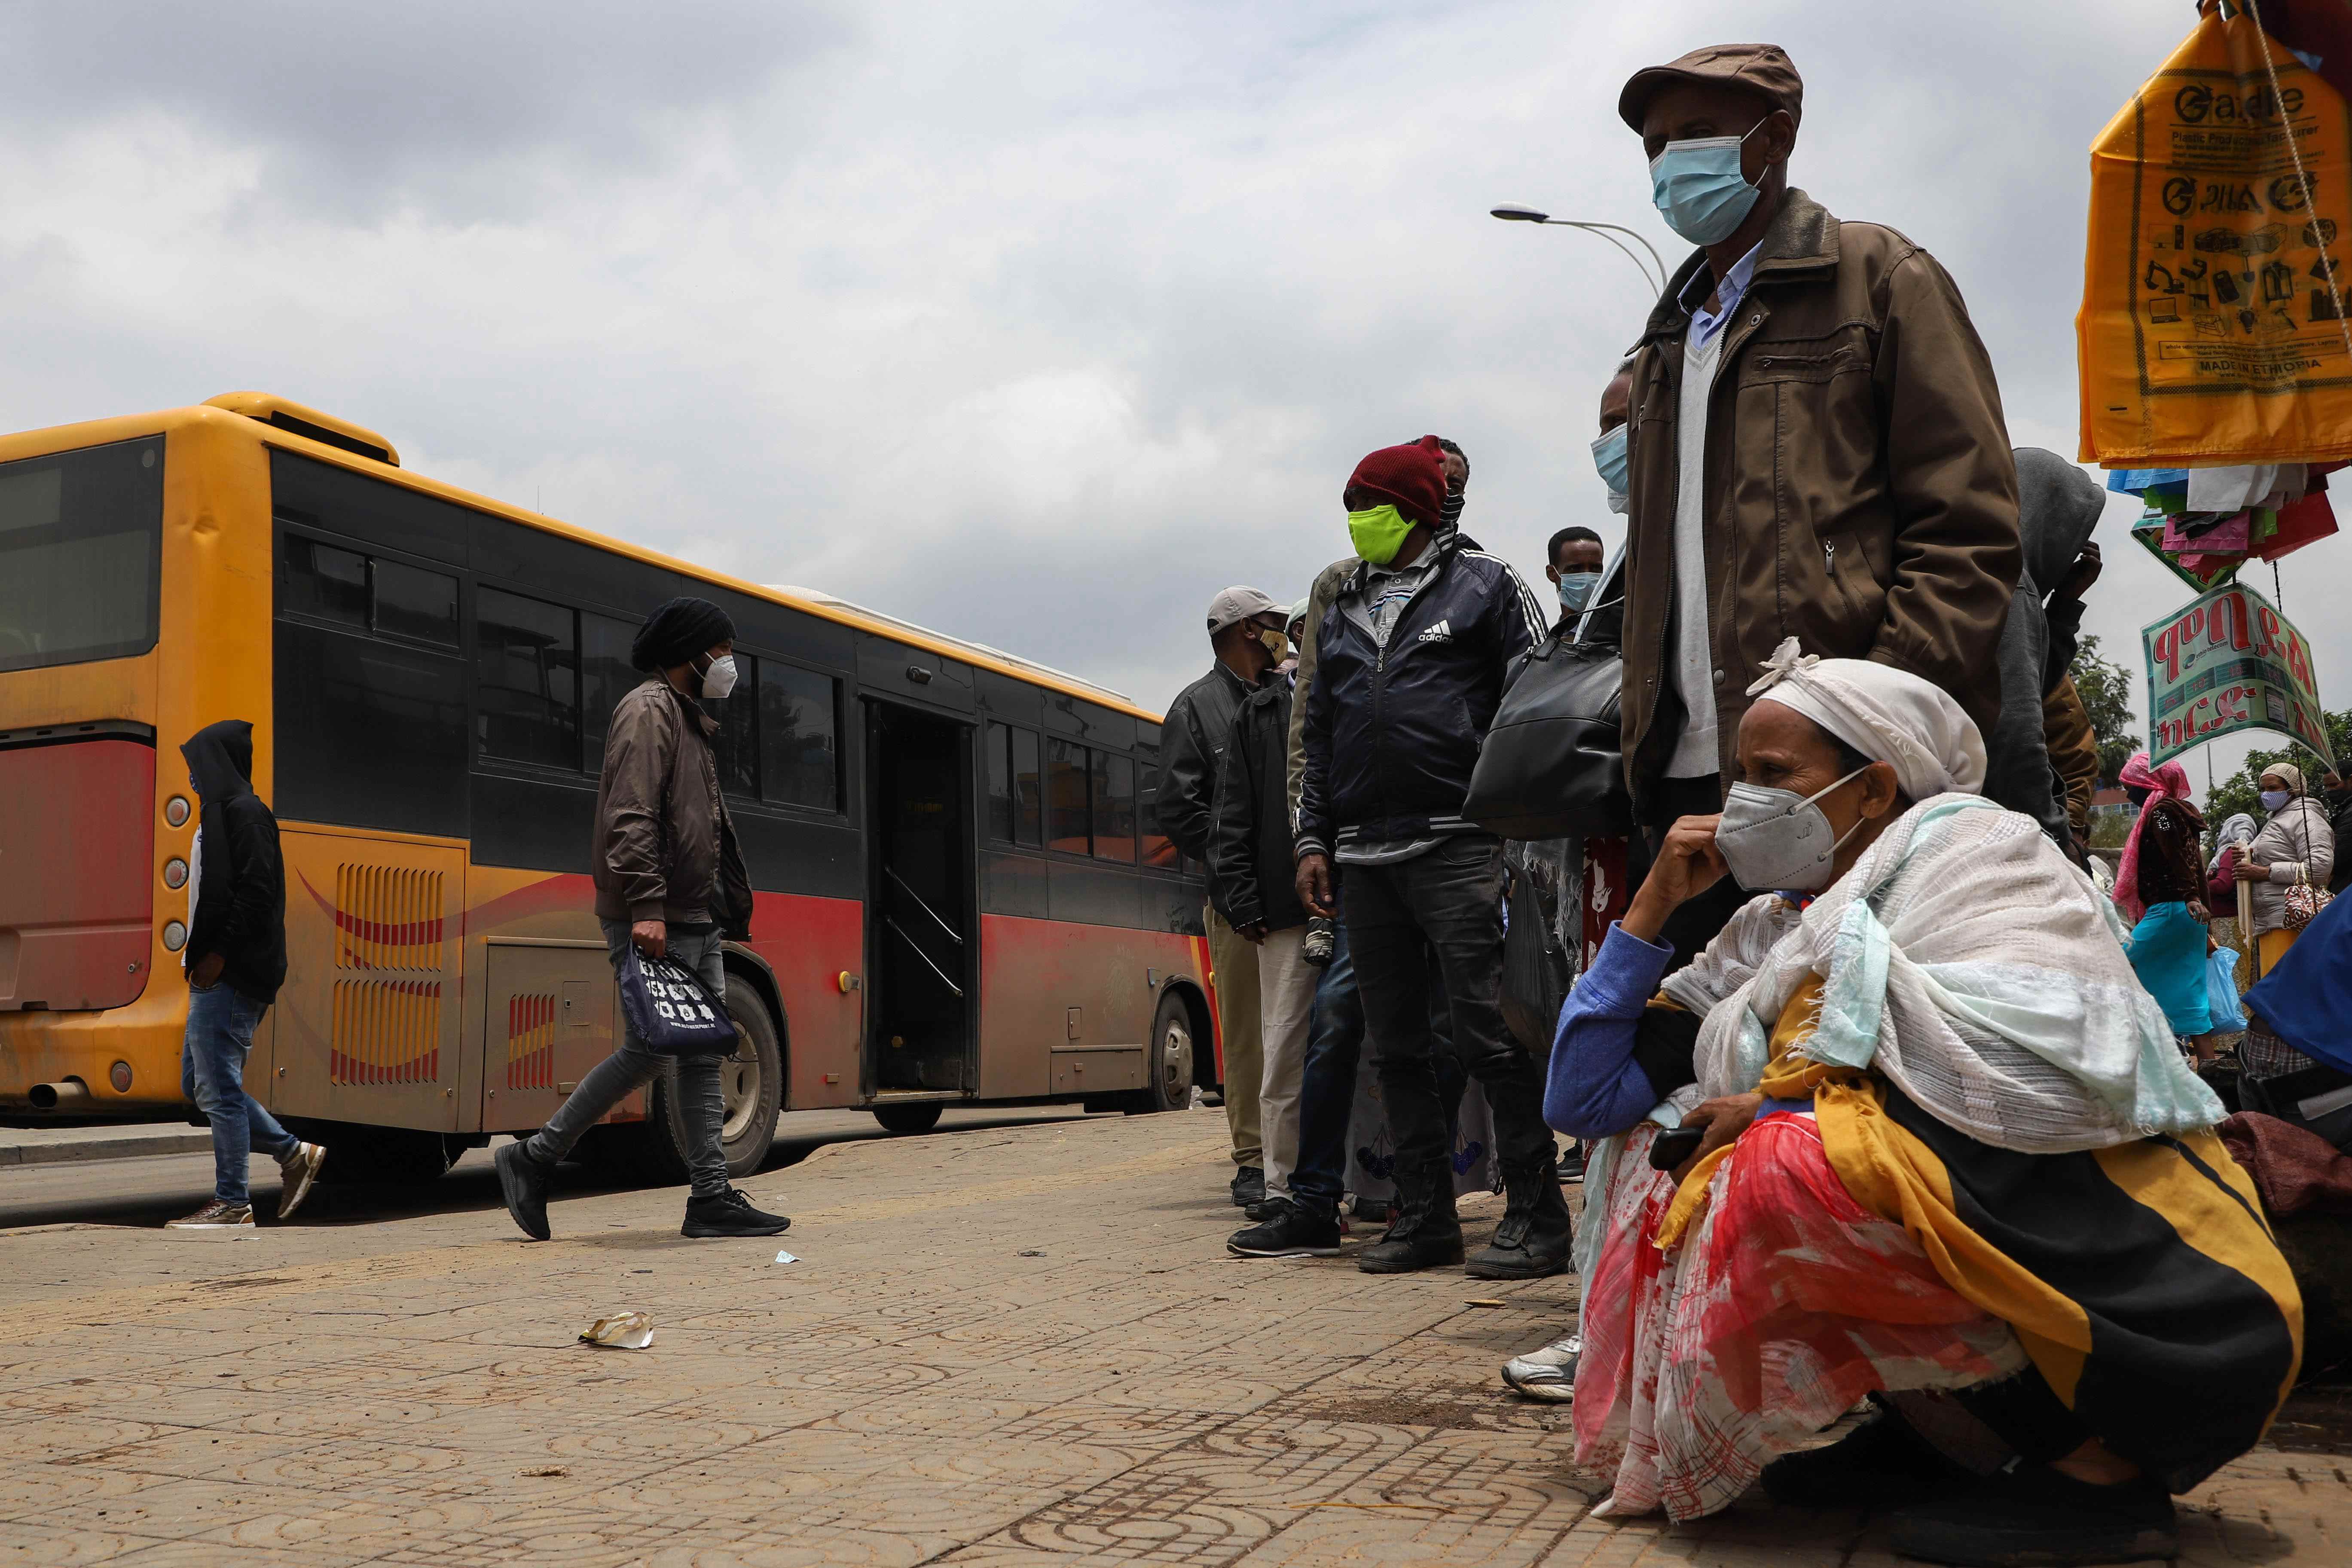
[1249, 1186]
[2037, 1516]
[1288, 1232]
[730, 1214]
[1883, 1464]
[524, 1186]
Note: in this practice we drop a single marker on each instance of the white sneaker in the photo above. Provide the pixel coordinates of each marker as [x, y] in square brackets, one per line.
[1550, 1374]
[298, 1171]
[215, 1216]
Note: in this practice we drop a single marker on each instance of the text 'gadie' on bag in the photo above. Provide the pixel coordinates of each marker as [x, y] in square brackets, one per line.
[669, 1012]
[2212, 331]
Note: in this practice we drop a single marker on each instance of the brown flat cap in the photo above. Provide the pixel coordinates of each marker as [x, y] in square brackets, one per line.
[1761, 69]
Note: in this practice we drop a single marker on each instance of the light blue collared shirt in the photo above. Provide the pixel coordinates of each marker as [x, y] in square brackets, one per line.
[1730, 291]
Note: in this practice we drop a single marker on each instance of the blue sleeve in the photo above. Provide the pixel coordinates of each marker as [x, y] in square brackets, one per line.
[1594, 1088]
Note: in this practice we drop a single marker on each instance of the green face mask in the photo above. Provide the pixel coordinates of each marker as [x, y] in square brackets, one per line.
[1379, 535]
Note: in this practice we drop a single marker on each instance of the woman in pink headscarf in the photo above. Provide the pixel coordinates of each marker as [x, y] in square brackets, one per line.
[2159, 891]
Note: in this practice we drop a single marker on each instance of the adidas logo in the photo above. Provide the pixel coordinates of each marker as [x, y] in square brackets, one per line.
[1441, 632]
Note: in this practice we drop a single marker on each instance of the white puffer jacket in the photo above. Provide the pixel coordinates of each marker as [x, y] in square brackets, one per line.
[2298, 838]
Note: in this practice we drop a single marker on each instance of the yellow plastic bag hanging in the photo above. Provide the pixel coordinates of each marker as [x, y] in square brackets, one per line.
[2213, 326]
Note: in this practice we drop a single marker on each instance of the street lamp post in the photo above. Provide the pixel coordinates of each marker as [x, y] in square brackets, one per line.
[1512, 213]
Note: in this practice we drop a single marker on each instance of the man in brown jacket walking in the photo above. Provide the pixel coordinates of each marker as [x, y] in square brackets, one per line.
[1816, 450]
[669, 881]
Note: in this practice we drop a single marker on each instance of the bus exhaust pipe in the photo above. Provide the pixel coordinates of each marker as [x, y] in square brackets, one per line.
[70, 1095]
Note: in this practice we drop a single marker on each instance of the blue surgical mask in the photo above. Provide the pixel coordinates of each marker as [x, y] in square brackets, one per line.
[1608, 457]
[1698, 187]
[1576, 590]
[2275, 799]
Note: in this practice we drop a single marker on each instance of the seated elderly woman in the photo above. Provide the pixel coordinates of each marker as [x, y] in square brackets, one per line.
[1957, 1232]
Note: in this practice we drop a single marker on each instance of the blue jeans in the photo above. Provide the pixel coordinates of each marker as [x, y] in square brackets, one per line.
[701, 1104]
[221, 1021]
[1326, 1095]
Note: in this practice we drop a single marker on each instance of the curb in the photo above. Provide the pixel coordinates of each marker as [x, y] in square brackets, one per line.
[187, 1141]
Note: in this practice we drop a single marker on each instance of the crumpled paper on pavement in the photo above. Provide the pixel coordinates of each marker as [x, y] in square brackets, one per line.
[621, 1332]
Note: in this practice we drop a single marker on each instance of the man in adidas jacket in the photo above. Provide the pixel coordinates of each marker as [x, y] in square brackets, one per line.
[1411, 659]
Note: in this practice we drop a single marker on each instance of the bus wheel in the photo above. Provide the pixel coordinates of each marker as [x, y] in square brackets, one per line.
[918, 1118]
[653, 1153]
[1168, 1060]
[382, 1156]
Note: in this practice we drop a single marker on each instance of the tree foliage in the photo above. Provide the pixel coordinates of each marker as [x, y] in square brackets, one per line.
[2240, 792]
[2106, 690]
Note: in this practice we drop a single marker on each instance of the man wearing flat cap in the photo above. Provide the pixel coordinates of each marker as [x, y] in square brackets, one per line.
[671, 882]
[1816, 449]
[1245, 631]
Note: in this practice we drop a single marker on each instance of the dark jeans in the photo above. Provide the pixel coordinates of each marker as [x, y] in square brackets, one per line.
[1326, 1095]
[701, 1104]
[221, 1021]
[1451, 899]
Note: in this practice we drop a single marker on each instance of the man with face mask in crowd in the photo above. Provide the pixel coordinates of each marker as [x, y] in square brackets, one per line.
[1574, 568]
[1411, 660]
[671, 882]
[1245, 634]
[1815, 449]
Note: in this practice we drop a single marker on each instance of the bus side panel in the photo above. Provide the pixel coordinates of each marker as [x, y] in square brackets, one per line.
[810, 943]
[368, 1022]
[1048, 985]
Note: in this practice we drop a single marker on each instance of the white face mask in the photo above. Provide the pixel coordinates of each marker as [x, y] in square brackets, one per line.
[719, 678]
[1776, 838]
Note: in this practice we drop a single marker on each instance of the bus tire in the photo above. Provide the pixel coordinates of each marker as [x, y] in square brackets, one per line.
[360, 1155]
[918, 1118]
[1167, 1061]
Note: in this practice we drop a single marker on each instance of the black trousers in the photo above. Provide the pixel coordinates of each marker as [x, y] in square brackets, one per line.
[1451, 900]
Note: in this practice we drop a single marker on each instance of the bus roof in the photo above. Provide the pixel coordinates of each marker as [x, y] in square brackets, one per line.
[229, 413]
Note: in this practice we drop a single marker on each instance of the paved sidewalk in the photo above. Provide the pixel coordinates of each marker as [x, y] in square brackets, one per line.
[1016, 1345]
[74, 1143]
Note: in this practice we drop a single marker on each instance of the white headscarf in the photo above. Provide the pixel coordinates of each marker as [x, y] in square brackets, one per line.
[1889, 715]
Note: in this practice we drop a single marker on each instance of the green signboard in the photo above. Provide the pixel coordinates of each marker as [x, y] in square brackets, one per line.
[2229, 662]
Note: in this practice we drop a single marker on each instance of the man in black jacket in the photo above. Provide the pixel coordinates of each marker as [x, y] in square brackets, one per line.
[1250, 883]
[1243, 626]
[236, 961]
[1412, 658]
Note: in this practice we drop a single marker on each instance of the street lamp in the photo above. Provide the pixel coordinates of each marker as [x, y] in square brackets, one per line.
[1511, 212]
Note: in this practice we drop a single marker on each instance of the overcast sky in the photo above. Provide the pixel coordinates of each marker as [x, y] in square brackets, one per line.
[1034, 322]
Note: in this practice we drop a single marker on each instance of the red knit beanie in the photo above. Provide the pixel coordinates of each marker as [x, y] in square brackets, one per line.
[1412, 479]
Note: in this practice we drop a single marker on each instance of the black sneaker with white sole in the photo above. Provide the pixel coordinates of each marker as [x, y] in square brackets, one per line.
[1289, 1232]
[730, 1214]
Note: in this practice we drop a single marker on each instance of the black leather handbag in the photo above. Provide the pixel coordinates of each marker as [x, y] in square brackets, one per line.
[1551, 766]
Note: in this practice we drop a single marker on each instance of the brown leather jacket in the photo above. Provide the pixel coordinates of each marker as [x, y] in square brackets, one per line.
[661, 836]
[1860, 494]
[2073, 749]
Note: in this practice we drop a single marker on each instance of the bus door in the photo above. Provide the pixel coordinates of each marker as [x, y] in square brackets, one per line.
[922, 926]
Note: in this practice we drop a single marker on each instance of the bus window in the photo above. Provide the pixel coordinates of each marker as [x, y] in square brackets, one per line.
[1066, 823]
[1028, 794]
[1158, 849]
[323, 584]
[605, 676]
[1000, 782]
[1114, 807]
[736, 747]
[415, 604]
[80, 554]
[525, 681]
[799, 758]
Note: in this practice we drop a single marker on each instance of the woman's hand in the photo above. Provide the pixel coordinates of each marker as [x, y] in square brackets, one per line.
[1725, 1120]
[1688, 864]
[2251, 871]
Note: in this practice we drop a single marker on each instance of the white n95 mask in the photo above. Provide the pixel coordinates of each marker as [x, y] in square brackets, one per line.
[719, 678]
[1778, 840]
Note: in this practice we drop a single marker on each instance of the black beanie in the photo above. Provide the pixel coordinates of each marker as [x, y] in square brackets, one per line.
[677, 632]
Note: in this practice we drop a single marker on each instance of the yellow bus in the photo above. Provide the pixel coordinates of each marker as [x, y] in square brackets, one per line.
[961, 897]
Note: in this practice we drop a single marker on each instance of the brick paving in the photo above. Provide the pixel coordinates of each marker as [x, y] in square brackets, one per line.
[1018, 1345]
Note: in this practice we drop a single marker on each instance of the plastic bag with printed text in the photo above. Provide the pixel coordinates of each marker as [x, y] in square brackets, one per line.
[2213, 329]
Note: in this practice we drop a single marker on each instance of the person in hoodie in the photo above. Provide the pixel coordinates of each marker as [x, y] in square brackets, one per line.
[1411, 658]
[236, 961]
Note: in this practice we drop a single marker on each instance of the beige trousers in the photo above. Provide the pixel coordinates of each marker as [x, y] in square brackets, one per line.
[1285, 984]
[1234, 978]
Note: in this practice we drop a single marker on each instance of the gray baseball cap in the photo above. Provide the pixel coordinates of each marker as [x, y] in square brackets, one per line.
[1238, 604]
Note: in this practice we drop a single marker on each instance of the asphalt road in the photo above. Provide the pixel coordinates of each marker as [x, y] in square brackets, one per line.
[149, 1190]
